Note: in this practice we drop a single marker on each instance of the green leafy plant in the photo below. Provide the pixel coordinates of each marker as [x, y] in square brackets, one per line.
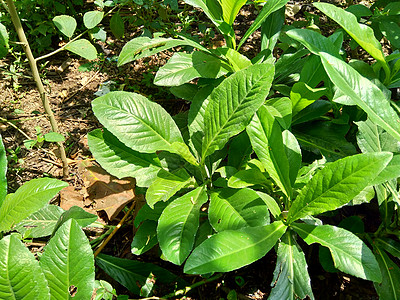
[50, 137]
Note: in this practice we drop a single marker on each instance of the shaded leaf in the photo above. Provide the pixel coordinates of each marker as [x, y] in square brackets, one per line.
[83, 48]
[117, 25]
[145, 237]
[3, 172]
[4, 46]
[389, 288]
[92, 18]
[82, 217]
[66, 24]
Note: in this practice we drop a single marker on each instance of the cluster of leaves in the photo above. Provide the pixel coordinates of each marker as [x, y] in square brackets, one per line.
[241, 172]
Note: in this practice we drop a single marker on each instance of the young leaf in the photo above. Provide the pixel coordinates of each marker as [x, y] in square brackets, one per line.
[362, 34]
[391, 246]
[82, 217]
[291, 279]
[389, 288]
[230, 9]
[266, 137]
[41, 223]
[20, 273]
[140, 124]
[349, 253]
[246, 178]
[29, 198]
[232, 209]
[92, 18]
[3, 172]
[178, 225]
[117, 25]
[233, 103]
[133, 274]
[337, 184]
[232, 249]
[269, 7]
[4, 46]
[184, 67]
[121, 161]
[54, 137]
[212, 8]
[363, 93]
[271, 203]
[68, 263]
[66, 24]
[166, 185]
[144, 46]
[83, 48]
[293, 154]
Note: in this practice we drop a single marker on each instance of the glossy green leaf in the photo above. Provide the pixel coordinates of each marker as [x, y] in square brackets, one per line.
[233, 103]
[392, 171]
[350, 254]
[140, 124]
[166, 185]
[232, 249]
[20, 274]
[92, 18]
[133, 274]
[82, 48]
[121, 161]
[66, 24]
[239, 150]
[232, 209]
[144, 46]
[291, 279]
[302, 96]
[145, 237]
[246, 178]
[363, 93]
[337, 184]
[236, 60]
[271, 29]
[281, 109]
[266, 137]
[29, 198]
[68, 263]
[293, 154]
[269, 7]
[212, 8]
[82, 217]
[41, 223]
[117, 25]
[314, 111]
[230, 9]
[3, 172]
[389, 288]
[178, 225]
[184, 67]
[4, 46]
[362, 34]
[271, 203]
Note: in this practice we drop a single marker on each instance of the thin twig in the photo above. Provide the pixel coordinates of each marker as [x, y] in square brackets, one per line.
[115, 229]
[16, 127]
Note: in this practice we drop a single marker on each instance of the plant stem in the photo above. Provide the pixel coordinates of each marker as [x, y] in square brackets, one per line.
[35, 72]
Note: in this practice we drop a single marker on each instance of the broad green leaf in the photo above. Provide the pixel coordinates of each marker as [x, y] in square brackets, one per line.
[166, 185]
[178, 225]
[145, 237]
[121, 161]
[3, 172]
[363, 93]
[20, 273]
[82, 217]
[392, 171]
[92, 18]
[291, 280]
[232, 209]
[391, 31]
[117, 25]
[362, 34]
[233, 103]
[185, 91]
[133, 274]
[337, 184]
[271, 29]
[4, 46]
[266, 137]
[54, 137]
[232, 249]
[140, 124]
[184, 67]
[288, 66]
[83, 48]
[302, 96]
[41, 223]
[269, 7]
[66, 24]
[350, 254]
[281, 109]
[327, 138]
[314, 111]
[236, 60]
[230, 9]
[29, 198]
[68, 263]
[391, 246]
[144, 46]
[246, 178]
[389, 288]
[212, 8]
[293, 154]
[239, 150]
